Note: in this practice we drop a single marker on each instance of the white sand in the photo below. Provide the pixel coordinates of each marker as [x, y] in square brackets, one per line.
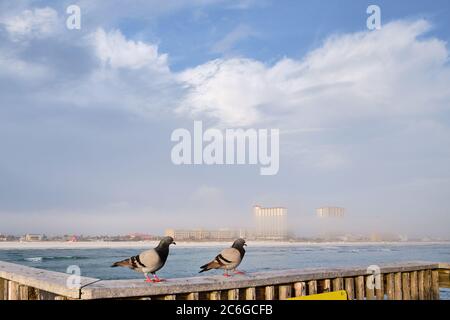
[146, 244]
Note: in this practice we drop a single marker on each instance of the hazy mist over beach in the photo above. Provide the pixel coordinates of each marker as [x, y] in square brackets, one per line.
[86, 116]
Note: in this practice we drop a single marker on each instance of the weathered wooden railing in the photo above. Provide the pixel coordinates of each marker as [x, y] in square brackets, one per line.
[402, 281]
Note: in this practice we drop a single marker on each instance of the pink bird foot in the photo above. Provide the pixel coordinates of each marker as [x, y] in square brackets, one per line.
[239, 272]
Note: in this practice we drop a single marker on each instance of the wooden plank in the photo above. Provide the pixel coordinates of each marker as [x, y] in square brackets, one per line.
[350, 288]
[3, 289]
[435, 285]
[370, 287]
[390, 286]
[379, 290]
[326, 285]
[214, 295]
[444, 278]
[414, 285]
[13, 290]
[192, 296]
[23, 292]
[284, 292]
[233, 294]
[406, 282]
[421, 284]
[300, 289]
[338, 284]
[33, 294]
[312, 287]
[398, 286]
[359, 288]
[427, 284]
[250, 294]
[269, 293]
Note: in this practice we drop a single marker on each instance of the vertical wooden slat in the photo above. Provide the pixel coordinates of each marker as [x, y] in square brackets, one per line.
[390, 286]
[284, 292]
[250, 294]
[13, 290]
[214, 295]
[269, 293]
[379, 291]
[435, 284]
[326, 285]
[350, 288]
[421, 283]
[300, 289]
[414, 285]
[370, 287]
[398, 286]
[359, 288]
[193, 296]
[338, 284]
[233, 294]
[23, 292]
[33, 294]
[312, 287]
[3, 289]
[406, 290]
[427, 284]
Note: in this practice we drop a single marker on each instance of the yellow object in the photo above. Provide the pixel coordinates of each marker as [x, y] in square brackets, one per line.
[335, 295]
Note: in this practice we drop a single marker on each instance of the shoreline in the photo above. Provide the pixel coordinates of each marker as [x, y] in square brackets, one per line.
[16, 245]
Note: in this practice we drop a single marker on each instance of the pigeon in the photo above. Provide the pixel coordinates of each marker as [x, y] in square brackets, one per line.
[228, 259]
[149, 261]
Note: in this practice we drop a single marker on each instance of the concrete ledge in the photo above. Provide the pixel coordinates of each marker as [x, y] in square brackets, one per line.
[91, 288]
[139, 288]
[50, 281]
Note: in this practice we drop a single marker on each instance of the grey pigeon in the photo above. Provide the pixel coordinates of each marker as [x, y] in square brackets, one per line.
[228, 259]
[149, 261]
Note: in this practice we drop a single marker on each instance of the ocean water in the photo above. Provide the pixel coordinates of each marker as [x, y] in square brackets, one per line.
[184, 261]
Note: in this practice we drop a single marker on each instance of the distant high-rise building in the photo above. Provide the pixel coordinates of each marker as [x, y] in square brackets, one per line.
[330, 212]
[270, 223]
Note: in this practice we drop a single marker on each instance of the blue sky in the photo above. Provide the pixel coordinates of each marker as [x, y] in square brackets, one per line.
[86, 115]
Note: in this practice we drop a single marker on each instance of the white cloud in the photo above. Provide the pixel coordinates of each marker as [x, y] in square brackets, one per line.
[115, 50]
[37, 23]
[353, 76]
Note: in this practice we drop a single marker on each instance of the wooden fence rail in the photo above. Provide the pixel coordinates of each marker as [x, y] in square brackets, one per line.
[400, 281]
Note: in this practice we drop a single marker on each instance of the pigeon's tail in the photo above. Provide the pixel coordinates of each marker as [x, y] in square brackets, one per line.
[123, 263]
[209, 266]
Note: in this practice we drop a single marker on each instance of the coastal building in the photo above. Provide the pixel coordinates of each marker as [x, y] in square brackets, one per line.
[203, 235]
[330, 212]
[270, 223]
[33, 237]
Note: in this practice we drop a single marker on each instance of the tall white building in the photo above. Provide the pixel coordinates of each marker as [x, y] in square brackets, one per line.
[330, 212]
[270, 223]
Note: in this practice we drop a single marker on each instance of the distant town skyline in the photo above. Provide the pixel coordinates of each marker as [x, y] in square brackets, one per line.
[86, 115]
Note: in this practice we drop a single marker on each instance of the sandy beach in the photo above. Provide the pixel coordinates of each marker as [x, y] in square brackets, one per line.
[145, 244]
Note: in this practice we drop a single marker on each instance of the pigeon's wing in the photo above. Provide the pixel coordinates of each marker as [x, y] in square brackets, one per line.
[150, 261]
[230, 258]
[227, 259]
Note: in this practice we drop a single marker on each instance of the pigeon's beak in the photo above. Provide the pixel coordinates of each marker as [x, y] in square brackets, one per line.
[245, 244]
[173, 242]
